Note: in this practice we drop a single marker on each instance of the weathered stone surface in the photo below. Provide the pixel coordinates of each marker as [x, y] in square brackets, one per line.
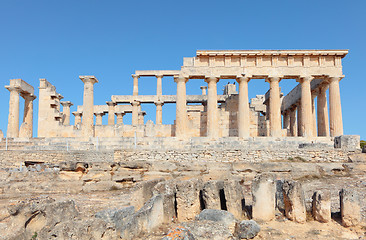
[208, 230]
[143, 191]
[1, 134]
[321, 206]
[350, 208]
[179, 233]
[247, 229]
[168, 190]
[234, 196]
[188, 199]
[280, 204]
[221, 216]
[294, 200]
[116, 216]
[347, 142]
[213, 194]
[263, 192]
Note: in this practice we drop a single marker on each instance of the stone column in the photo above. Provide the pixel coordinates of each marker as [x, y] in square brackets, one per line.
[212, 116]
[323, 118]
[111, 106]
[120, 117]
[13, 118]
[135, 84]
[66, 111]
[286, 119]
[77, 118]
[204, 88]
[181, 108]
[141, 120]
[315, 132]
[28, 115]
[159, 112]
[299, 121]
[293, 122]
[306, 109]
[335, 110]
[87, 125]
[159, 89]
[274, 106]
[99, 118]
[135, 112]
[243, 108]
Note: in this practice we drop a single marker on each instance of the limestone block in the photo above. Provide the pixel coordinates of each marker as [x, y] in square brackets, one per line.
[25, 131]
[350, 208]
[347, 142]
[123, 175]
[96, 176]
[168, 190]
[321, 206]
[294, 200]
[116, 216]
[211, 194]
[70, 176]
[98, 186]
[219, 216]
[143, 191]
[234, 196]
[1, 135]
[188, 199]
[263, 192]
[208, 230]
[247, 229]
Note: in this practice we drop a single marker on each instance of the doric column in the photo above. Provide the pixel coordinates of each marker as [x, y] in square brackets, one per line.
[99, 118]
[159, 112]
[87, 125]
[111, 110]
[286, 119]
[243, 108]
[204, 90]
[66, 111]
[335, 110]
[120, 117]
[315, 132]
[77, 118]
[293, 122]
[135, 84]
[323, 118]
[212, 116]
[299, 120]
[28, 114]
[306, 109]
[141, 119]
[159, 88]
[13, 118]
[274, 106]
[135, 112]
[181, 108]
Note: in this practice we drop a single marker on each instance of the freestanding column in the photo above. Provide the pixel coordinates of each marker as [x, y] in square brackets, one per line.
[204, 90]
[28, 114]
[111, 112]
[181, 108]
[13, 118]
[243, 108]
[66, 111]
[315, 132]
[135, 84]
[77, 118]
[135, 113]
[274, 106]
[323, 118]
[335, 110]
[120, 117]
[293, 122]
[141, 120]
[212, 116]
[299, 120]
[159, 112]
[306, 109]
[159, 89]
[99, 118]
[87, 125]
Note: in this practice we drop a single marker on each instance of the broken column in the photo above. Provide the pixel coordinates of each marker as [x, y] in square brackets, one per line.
[321, 206]
[66, 111]
[26, 129]
[78, 116]
[350, 208]
[211, 194]
[13, 118]
[188, 199]
[111, 110]
[99, 118]
[120, 117]
[87, 125]
[293, 196]
[264, 202]
[234, 196]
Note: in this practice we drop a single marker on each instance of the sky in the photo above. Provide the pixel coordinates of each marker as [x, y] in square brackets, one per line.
[111, 39]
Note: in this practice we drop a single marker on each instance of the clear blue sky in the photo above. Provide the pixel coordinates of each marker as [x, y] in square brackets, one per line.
[60, 40]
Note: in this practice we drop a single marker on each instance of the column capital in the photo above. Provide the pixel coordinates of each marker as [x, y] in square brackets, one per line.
[88, 79]
[110, 103]
[142, 113]
[302, 79]
[11, 89]
[161, 103]
[211, 79]
[270, 79]
[203, 87]
[66, 103]
[334, 78]
[135, 103]
[242, 79]
[27, 96]
[159, 75]
[99, 113]
[135, 76]
[120, 113]
[77, 114]
[180, 79]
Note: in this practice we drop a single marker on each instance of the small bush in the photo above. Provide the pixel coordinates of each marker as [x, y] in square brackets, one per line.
[362, 143]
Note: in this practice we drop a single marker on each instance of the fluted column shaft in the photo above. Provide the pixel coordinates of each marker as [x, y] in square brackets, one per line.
[299, 121]
[135, 85]
[313, 111]
[88, 106]
[181, 108]
[293, 123]
[159, 88]
[111, 112]
[28, 115]
[66, 112]
[212, 116]
[243, 108]
[13, 118]
[159, 112]
[120, 117]
[274, 106]
[135, 113]
[306, 107]
[98, 118]
[286, 120]
[335, 110]
[323, 118]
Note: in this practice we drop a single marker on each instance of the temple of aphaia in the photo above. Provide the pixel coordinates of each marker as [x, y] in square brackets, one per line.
[208, 115]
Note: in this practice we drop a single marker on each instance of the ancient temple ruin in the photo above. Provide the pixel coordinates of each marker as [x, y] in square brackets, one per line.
[208, 115]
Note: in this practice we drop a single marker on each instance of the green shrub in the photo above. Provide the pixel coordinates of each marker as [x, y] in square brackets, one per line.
[362, 143]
